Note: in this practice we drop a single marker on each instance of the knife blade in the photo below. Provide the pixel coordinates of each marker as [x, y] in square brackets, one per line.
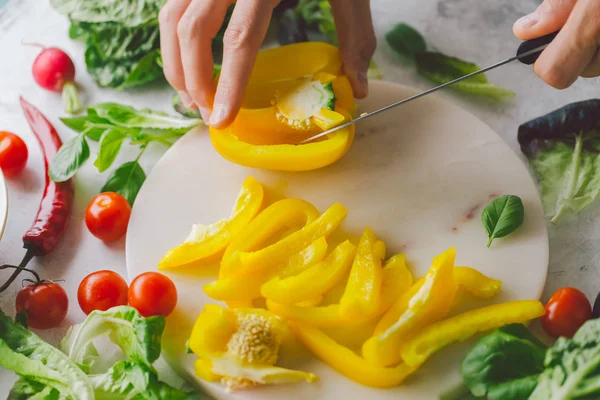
[527, 53]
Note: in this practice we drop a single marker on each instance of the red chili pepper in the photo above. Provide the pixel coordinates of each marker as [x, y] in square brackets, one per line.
[55, 208]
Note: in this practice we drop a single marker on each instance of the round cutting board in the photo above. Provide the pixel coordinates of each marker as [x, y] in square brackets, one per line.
[418, 175]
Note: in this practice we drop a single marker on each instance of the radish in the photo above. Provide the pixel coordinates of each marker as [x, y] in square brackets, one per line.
[54, 70]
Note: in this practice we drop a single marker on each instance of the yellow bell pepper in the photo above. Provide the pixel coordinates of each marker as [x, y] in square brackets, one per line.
[281, 215]
[295, 92]
[245, 285]
[346, 362]
[362, 296]
[210, 245]
[476, 283]
[417, 308]
[311, 302]
[463, 326]
[312, 282]
[279, 252]
[240, 347]
[396, 281]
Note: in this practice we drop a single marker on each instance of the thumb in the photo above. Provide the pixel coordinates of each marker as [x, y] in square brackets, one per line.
[549, 17]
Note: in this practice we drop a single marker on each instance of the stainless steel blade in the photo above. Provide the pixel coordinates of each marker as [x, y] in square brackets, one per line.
[417, 96]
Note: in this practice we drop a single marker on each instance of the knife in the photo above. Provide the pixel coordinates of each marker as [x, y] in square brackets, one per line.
[527, 53]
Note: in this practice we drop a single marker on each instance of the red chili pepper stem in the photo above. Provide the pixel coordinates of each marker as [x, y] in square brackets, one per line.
[21, 267]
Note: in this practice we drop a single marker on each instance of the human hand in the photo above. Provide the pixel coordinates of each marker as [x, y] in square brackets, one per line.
[575, 51]
[188, 26]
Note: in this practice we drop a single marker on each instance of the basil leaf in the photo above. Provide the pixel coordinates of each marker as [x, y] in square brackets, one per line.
[405, 40]
[85, 125]
[440, 68]
[70, 157]
[126, 180]
[110, 144]
[502, 216]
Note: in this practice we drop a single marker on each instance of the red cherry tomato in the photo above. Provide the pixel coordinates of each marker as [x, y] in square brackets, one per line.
[46, 304]
[152, 293]
[13, 153]
[102, 290]
[107, 216]
[566, 311]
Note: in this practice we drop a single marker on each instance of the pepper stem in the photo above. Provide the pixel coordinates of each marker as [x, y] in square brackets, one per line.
[70, 98]
[21, 267]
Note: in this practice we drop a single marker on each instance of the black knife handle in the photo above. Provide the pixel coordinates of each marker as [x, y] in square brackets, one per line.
[533, 44]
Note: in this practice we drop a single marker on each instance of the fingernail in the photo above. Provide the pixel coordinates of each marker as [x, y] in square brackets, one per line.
[218, 114]
[364, 81]
[204, 113]
[529, 20]
[186, 99]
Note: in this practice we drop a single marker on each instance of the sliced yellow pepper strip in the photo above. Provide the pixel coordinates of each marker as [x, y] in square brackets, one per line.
[313, 301]
[278, 253]
[463, 326]
[346, 362]
[380, 249]
[430, 303]
[245, 285]
[281, 215]
[396, 281]
[215, 238]
[314, 281]
[362, 296]
[476, 283]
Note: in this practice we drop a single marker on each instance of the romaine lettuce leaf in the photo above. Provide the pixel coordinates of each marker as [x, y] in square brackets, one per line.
[42, 366]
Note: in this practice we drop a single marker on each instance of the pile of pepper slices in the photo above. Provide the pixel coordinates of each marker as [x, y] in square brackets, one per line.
[278, 256]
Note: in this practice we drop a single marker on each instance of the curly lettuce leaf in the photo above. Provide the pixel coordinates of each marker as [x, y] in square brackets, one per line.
[139, 338]
[42, 367]
[125, 12]
[572, 367]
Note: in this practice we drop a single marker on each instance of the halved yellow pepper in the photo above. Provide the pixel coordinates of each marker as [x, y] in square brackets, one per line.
[288, 99]
[362, 296]
[245, 285]
[463, 326]
[430, 303]
[211, 245]
[279, 216]
[314, 281]
[346, 362]
[279, 252]
[396, 281]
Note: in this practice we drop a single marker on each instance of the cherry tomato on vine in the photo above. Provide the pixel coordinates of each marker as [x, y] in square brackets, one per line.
[107, 216]
[46, 304]
[152, 293]
[566, 311]
[101, 290]
[13, 153]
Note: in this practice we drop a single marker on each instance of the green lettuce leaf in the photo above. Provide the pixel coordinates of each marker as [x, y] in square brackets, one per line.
[563, 148]
[42, 367]
[440, 68]
[139, 338]
[405, 40]
[125, 12]
[126, 380]
[572, 367]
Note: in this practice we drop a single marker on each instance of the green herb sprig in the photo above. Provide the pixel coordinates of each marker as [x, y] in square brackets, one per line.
[113, 124]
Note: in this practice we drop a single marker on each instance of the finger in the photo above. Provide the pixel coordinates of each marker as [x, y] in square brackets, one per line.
[567, 57]
[549, 17]
[168, 18]
[241, 42]
[357, 39]
[593, 69]
[196, 29]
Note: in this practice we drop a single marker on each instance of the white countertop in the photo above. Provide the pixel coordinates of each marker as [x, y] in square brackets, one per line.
[469, 29]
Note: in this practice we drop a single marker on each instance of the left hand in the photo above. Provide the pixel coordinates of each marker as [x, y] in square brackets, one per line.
[575, 51]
